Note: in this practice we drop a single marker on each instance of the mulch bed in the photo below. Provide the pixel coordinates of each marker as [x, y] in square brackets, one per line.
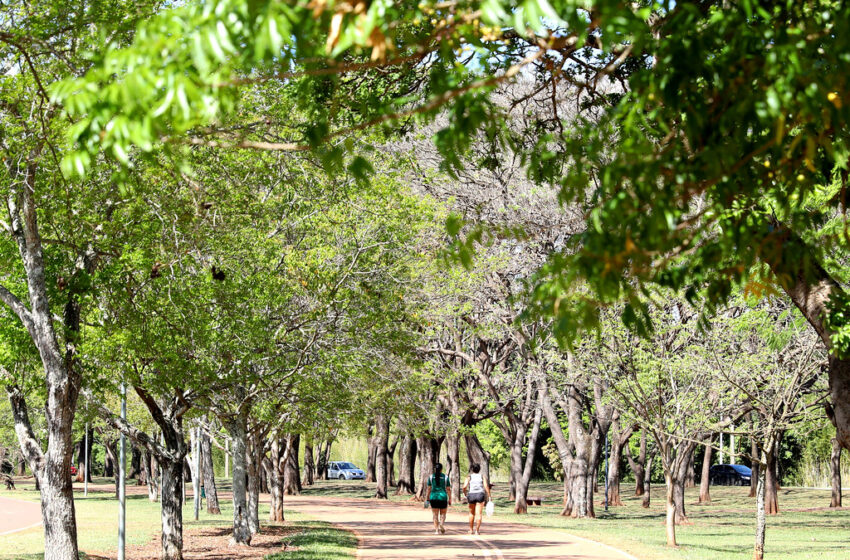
[212, 544]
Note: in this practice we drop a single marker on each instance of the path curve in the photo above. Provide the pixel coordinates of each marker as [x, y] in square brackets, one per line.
[392, 530]
[18, 515]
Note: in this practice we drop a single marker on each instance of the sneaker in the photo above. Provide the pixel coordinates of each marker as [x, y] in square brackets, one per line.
[442, 529]
[436, 531]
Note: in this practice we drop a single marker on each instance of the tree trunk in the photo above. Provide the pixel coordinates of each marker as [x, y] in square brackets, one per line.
[135, 463]
[427, 463]
[647, 486]
[754, 453]
[453, 452]
[255, 453]
[172, 510]
[371, 476]
[381, 450]
[309, 464]
[761, 520]
[771, 490]
[690, 475]
[209, 475]
[476, 454]
[112, 455]
[324, 460]
[524, 480]
[810, 287]
[704, 491]
[275, 480]
[406, 469]
[682, 464]
[238, 428]
[839, 388]
[638, 465]
[150, 467]
[391, 480]
[835, 462]
[670, 519]
[619, 440]
[515, 437]
[291, 470]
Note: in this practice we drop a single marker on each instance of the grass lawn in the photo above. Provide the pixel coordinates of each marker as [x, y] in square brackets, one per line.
[97, 527]
[724, 530]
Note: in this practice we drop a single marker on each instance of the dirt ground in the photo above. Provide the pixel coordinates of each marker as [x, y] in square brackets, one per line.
[402, 530]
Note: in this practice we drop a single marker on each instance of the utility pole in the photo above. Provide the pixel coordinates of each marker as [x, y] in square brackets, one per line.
[720, 455]
[122, 466]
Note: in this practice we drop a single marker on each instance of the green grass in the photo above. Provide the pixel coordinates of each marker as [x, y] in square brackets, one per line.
[724, 530]
[315, 540]
[97, 527]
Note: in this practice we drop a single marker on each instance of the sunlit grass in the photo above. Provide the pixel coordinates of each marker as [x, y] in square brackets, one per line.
[97, 527]
[724, 530]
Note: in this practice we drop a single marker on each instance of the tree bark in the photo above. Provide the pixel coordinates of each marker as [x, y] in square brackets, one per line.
[273, 467]
[291, 470]
[681, 468]
[381, 450]
[638, 465]
[172, 510]
[309, 464]
[835, 462]
[754, 453]
[391, 479]
[647, 483]
[761, 520]
[771, 488]
[151, 475]
[453, 452]
[406, 469]
[690, 475]
[476, 454]
[371, 476]
[810, 287]
[255, 454]
[209, 475]
[670, 518]
[238, 429]
[619, 439]
[427, 463]
[704, 491]
[524, 480]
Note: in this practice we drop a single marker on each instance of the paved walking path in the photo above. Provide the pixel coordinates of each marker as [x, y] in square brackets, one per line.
[17, 515]
[392, 530]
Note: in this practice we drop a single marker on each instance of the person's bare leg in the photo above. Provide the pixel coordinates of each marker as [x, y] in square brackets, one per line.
[443, 520]
[436, 514]
[471, 518]
[478, 508]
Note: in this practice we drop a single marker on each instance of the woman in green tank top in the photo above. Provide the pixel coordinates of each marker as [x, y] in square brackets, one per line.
[440, 498]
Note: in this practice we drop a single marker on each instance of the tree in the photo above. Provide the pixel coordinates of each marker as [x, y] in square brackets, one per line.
[711, 161]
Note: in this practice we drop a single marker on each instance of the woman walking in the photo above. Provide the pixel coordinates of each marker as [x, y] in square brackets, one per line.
[439, 497]
[477, 492]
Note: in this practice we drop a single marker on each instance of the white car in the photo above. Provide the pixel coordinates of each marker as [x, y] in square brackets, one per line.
[342, 470]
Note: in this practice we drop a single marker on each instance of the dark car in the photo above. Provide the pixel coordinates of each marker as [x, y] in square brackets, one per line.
[729, 475]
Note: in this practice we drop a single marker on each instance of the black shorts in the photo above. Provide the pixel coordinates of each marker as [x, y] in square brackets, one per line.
[439, 504]
[476, 497]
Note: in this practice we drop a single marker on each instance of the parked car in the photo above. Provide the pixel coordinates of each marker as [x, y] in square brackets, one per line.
[342, 470]
[73, 470]
[729, 475]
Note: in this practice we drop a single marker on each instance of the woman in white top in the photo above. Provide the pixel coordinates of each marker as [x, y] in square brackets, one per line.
[477, 492]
